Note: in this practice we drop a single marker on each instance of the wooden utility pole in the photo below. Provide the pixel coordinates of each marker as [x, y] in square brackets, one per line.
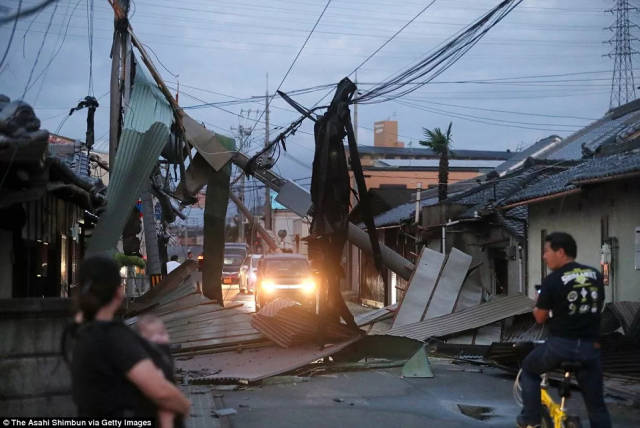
[121, 9]
[267, 191]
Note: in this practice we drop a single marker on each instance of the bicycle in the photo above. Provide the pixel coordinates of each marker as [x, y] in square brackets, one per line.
[554, 415]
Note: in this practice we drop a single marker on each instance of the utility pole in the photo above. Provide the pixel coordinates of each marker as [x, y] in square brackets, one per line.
[243, 137]
[118, 66]
[267, 191]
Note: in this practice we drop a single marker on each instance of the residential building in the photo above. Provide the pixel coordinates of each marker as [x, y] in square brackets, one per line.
[597, 202]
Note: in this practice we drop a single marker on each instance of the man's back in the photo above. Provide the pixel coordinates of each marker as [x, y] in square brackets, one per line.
[575, 295]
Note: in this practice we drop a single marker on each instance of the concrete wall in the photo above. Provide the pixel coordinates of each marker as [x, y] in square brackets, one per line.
[580, 215]
[35, 379]
[6, 264]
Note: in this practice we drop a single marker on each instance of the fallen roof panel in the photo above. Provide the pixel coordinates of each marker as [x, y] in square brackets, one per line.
[420, 289]
[255, 365]
[468, 319]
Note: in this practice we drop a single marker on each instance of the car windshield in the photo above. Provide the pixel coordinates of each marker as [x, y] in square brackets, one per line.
[286, 267]
[233, 259]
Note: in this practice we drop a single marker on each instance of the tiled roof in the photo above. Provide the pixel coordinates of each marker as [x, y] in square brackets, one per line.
[427, 198]
[489, 194]
[538, 150]
[608, 166]
[515, 220]
[73, 155]
[616, 123]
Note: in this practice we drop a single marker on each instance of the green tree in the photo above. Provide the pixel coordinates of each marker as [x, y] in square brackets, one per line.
[440, 143]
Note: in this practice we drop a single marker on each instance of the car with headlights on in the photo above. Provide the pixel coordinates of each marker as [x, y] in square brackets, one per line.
[285, 275]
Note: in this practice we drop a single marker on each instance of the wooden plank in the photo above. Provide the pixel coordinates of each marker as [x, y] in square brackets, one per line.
[421, 285]
[448, 287]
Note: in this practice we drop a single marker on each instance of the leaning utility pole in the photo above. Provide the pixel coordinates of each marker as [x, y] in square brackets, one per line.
[267, 191]
[623, 89]
[118, 67]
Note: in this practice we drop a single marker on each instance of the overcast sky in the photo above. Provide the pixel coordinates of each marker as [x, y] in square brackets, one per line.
[224, 48]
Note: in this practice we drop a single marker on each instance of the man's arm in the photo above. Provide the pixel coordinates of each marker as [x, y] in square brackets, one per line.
[152, 383]
[541, 315]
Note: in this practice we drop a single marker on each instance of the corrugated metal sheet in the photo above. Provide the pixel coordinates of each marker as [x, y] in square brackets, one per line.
[192, 320]
[146, 130]
[450, 282]
[625, 313]
[421, 286]
[375, 315]
[287, 323]
[254, 365]
[468, 319]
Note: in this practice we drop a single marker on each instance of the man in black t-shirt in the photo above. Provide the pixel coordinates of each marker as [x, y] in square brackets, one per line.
[570, 301]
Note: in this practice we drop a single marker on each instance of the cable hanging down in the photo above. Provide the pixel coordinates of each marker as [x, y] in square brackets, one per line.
[440, 60]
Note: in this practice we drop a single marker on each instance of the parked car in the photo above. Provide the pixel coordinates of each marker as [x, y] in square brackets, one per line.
[249, 273]
[234, 256]
[285, 275]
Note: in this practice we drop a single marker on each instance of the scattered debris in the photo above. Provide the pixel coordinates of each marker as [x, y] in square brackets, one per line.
[288, 323]
[224, 412]
[279, 380]
[486, 313]
[418, 365]
[481, 413]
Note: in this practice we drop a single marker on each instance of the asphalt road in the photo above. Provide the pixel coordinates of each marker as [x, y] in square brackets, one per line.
[382, 398]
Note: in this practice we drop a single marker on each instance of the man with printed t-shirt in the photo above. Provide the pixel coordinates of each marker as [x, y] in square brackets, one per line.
[570, 302]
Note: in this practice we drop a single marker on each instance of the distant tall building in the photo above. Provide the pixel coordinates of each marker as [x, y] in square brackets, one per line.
[385, 134]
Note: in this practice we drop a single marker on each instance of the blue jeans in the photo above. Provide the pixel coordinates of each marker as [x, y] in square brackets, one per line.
[549, 356]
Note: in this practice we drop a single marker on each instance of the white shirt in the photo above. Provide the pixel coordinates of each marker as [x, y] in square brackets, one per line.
[171, 265]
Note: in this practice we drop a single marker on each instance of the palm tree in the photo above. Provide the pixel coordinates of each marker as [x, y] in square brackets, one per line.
[441, 144]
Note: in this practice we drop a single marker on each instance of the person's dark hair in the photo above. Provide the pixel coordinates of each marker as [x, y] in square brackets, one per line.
[174, 258]
[98, 281]
[562, 240]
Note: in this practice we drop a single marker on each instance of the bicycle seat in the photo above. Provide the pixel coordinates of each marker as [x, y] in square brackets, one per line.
[571, 366]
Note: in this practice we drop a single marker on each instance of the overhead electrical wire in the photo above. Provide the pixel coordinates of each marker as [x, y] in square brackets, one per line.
[440, 60]
[27, 12]
[13, 32]
[35, 62]
[294, 60]
[90, 19]
[46, 68]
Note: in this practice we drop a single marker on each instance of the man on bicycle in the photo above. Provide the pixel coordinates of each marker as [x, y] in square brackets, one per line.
[570, 302]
